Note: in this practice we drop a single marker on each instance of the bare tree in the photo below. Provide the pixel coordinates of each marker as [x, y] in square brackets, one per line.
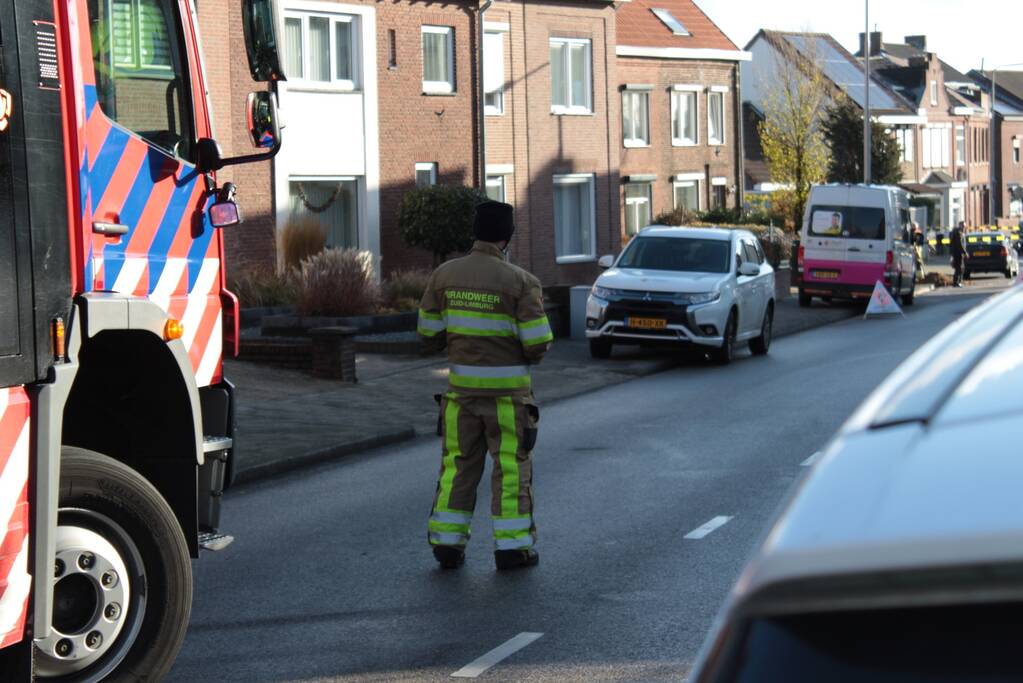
[795, 97]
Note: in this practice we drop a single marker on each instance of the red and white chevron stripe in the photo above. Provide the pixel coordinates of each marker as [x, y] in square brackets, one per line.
[15, 582]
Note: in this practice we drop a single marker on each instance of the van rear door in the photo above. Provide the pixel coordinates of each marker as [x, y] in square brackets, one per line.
[846, 237]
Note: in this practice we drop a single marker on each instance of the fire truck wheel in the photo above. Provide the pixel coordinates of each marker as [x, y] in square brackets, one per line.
[122, 579]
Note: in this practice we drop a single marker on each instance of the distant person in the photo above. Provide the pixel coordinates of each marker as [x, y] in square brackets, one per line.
[959, 255]
[918, 248]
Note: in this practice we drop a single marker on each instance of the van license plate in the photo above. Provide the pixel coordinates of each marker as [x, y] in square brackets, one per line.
[824, 274]
[647, 323]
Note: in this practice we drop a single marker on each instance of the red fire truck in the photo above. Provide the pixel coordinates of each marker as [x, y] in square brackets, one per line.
[115, 416]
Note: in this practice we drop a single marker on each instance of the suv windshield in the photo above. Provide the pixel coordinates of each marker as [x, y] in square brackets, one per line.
[851, 222]
[682, 254]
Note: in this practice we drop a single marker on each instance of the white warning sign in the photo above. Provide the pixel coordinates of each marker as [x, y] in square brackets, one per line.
[882, 302]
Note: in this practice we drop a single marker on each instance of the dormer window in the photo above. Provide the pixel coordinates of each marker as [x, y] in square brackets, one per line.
[669, 20]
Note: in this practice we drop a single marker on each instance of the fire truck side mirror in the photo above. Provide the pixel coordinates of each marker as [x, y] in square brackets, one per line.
[264, 129]
[208, 157]
[261, 21]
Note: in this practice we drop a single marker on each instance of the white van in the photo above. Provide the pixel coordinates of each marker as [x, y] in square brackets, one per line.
[854, 236]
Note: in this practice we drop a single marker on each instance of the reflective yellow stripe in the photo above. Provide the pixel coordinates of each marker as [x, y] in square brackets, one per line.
[506, 455]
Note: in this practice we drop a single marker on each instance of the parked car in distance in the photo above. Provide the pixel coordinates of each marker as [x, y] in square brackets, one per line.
[853, 237]
[990, 252]
[900, 556]
[708, 288]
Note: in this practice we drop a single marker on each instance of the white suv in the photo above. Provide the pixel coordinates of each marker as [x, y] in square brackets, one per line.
[702, 287]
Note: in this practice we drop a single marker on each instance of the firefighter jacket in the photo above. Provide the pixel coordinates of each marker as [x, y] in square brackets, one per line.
[490, 315]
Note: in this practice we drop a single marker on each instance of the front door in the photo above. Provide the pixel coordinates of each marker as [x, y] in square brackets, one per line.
[143, 203]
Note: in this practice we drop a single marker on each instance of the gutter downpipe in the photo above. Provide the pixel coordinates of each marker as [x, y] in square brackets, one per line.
[482, 98]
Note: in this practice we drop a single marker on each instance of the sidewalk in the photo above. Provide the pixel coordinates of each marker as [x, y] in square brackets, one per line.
[287, 419]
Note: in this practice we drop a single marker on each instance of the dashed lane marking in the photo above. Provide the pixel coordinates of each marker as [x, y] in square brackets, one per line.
[812, 460]
[475, 668]
[707, 527]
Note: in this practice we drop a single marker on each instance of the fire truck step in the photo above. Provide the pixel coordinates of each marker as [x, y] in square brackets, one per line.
[214, 541]
[212, 444]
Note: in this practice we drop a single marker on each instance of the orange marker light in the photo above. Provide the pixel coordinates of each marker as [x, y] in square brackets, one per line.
[58, 343]
[173, 330]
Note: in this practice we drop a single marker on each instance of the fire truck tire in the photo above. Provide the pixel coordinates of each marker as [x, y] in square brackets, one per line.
[130, 523]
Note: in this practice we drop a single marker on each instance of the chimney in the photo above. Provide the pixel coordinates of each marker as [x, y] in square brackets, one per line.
[875, 44]
[919, 42]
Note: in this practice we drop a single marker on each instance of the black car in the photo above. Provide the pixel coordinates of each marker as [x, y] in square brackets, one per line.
[990, 252]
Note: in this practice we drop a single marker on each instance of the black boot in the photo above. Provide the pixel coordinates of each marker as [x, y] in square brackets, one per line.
[450, 557]
[516, 559]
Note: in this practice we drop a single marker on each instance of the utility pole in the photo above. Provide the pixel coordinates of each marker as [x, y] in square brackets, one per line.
[866, 106]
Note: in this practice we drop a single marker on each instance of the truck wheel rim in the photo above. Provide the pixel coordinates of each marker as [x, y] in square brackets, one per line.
[99, 598]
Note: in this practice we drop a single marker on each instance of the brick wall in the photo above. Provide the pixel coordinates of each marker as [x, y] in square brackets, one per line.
[1011, 172]
[661, 157]
[540, 144]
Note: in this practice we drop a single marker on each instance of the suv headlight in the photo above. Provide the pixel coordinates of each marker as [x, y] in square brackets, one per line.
[704, 298]
[602, 292]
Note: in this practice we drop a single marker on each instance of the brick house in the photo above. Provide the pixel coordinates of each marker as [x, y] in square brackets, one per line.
[1008, 142]
[678, 89]
[552, 125]
[385, 95]
[950, 146]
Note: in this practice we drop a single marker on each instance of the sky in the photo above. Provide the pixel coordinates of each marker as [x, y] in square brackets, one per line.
[962, 32]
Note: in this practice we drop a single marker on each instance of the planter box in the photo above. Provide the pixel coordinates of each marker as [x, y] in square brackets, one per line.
[300, 326]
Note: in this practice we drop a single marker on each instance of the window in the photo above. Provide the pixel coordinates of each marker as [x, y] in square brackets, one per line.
[716, 118]
[438, 59]
[636, 118]
[669, 20]
[934, 93]
[637, 207]
[904, 136]
[935, 147]
[493, 72]
[320, 50]
[392, 49]
[1015, 149]
[426, 174]
[750, 253]
[960, 146]
[719, 196]
[495, 188]
[331, 202]
[683, 118]
[574, 229]
[141, 73]
[571, 91]
[680, 254]
[854, 222]
[687, 194]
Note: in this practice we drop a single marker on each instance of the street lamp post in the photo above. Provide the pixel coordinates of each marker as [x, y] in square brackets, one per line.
[993, 188]
[866, 87]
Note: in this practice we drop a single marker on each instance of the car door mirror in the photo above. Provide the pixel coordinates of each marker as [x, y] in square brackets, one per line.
[749, 269]
[606, 261]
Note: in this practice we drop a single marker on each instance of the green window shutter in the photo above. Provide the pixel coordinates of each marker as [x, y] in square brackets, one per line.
[154, 41]
[121, 33]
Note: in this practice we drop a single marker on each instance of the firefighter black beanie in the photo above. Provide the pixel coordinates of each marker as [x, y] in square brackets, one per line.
[493, 222]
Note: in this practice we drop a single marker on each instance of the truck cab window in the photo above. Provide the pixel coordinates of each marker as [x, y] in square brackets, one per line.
[141, 71]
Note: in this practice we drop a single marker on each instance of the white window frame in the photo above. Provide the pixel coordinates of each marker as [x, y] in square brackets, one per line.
[633, 201]
[439, 87]
[498, 180]
[335, 84]
[578, 179]
[498, 109]
[678, 91]
[357, 195]
[577, 110]
[430, 166]
[683, 181]
[960, 131]
[934, 93]
[628, 139]
[904, 136]
[714, 142]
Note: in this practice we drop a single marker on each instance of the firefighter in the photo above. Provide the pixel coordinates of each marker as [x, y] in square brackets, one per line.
[490, 316]
[959, 255]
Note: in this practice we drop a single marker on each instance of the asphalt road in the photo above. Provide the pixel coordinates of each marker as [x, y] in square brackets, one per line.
[331, 578]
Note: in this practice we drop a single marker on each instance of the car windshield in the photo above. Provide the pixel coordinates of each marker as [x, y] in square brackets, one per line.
[851, 222]
[684, 254]
[953, 644]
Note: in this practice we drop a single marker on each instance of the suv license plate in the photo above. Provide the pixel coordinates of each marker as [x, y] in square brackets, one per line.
[646, 323]
[982, 253]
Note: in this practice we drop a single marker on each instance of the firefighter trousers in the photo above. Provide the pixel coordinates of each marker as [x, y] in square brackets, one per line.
[470, 427]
